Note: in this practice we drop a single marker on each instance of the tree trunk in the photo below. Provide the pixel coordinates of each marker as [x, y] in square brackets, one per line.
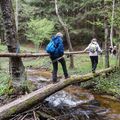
[2, 31]
[118, 55]
[2, 34]
[67, 35]
[16, 15]
[16, 67]
[106, 44]
[37, 96]
[112, 20]
[16, 23]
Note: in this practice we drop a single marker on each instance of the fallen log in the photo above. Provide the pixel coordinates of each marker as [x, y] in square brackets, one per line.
[34, 54]
[37, 96]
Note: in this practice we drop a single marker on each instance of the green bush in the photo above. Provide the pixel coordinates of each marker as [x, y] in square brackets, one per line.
[39, 31]
[4, 83]
[2, 48]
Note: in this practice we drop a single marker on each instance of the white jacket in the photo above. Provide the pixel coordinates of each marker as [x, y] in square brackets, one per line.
[96, 52]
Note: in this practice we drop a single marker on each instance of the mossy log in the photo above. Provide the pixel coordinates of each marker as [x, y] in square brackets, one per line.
[39, 95]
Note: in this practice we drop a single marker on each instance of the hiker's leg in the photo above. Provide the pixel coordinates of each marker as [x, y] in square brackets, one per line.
[95, 62]
[63, 63]
[92, 62]
[54, 72]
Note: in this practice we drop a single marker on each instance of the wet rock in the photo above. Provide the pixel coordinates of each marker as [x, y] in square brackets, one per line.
[94, 102]
[63, 98]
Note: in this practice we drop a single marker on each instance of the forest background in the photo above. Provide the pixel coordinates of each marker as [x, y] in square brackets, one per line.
[83, 18]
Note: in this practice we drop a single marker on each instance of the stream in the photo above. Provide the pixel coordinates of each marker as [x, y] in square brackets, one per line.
[82, 100]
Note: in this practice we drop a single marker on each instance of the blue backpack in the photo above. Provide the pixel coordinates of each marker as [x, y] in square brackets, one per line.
[51, 47]
[55, 47]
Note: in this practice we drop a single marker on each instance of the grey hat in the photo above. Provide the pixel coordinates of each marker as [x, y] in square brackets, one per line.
[59, 34]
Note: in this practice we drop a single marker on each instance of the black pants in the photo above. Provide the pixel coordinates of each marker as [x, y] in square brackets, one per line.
[94, 61]
[55, 68]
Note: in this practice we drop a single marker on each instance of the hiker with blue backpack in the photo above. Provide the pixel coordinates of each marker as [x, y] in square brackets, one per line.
[93, 48]
[56, 50]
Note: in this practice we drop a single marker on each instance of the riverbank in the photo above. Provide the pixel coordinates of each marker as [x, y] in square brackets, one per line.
[81, 99]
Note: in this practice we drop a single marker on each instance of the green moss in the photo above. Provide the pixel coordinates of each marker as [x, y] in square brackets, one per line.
[31, 86]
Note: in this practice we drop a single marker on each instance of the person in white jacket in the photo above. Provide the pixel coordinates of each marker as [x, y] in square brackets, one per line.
[93, 48]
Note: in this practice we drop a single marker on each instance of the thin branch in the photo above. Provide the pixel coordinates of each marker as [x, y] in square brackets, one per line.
[24, 116]
[34, 114]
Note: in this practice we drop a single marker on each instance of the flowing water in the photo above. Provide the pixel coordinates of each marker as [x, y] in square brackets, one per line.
[74, 96]
[111, 104]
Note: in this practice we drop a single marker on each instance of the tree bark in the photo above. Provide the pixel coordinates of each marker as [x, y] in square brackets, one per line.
[17, 70]
[2, 34]
[118, 56]
[37, 96]
[112, 21]
[106, 44]
[67, 35]
[2, 31]
[16, 15]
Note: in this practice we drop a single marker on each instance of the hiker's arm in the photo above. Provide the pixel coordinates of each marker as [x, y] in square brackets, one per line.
[99, 49]
[87, 48]
[61, 46]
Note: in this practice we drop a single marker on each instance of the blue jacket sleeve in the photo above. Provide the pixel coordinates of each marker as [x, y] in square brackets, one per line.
[61, 46]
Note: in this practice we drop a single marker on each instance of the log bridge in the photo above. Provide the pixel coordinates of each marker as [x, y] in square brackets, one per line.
[28, 101]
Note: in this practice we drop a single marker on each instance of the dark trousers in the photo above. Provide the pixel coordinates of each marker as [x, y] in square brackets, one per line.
[94, 61]
[55, 68]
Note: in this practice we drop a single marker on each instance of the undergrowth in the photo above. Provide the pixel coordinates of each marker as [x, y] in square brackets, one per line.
[109, 85]
[4, 83]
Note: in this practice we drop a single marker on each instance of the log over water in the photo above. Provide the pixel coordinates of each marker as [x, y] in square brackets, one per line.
[37, 96]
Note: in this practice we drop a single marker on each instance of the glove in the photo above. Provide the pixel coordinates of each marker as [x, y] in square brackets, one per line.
[68, 56]
[101, 53]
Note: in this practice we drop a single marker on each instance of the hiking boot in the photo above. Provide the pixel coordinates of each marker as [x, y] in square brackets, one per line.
[66, 77]
[93, 71]
[55, 81]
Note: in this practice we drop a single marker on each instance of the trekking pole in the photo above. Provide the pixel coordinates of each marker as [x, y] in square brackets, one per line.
[57, 59]
[47, 65]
